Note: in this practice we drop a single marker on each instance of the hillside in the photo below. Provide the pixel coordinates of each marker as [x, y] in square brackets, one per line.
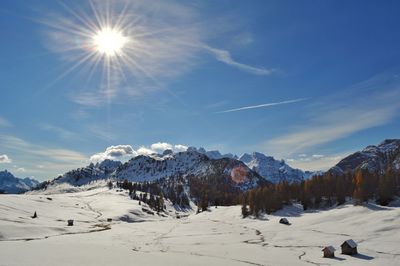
[378, 158]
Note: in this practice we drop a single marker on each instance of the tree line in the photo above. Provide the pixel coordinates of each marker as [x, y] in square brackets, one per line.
[323, 191]
[149, 193]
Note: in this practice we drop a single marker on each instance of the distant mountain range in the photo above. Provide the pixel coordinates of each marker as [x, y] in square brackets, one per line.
[193, 162]
[242, 172]
[147, 168]
[13, 185]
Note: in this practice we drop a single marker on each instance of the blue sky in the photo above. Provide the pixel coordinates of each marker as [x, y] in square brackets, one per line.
[306, 81]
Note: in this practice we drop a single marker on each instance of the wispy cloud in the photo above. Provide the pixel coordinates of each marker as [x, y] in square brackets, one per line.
[167, 41]
[53, 159]
[101, 132]
[61, 132]
[366, 105]
[4, 122]
[263, 105]
[226, 57]
[317, 161]
[243, 39]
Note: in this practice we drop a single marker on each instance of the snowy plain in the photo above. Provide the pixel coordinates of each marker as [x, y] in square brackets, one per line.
[217, 237]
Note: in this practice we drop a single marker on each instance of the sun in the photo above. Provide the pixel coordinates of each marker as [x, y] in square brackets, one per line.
[109, 42]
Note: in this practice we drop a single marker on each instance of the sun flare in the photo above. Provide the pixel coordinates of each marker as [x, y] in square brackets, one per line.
[109, 42]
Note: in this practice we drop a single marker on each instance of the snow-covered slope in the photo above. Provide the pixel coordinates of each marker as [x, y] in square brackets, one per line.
[271, 169]
[374, 158]
[89, 173]
[11, 184]
[219, 236]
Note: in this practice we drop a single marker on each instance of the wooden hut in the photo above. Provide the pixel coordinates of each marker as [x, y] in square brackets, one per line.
[349, 247]
[70, 222]
[284, 221]
[329, 252]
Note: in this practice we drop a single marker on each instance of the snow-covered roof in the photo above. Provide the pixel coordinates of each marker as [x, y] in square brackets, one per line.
[351, 243]
[330, 248]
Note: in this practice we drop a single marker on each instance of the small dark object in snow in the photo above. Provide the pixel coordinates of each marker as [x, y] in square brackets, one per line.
[49, 198]
[284, 221]
[34, 216]
[70, 222]
[349, 247]
[109, 220]
[147, 211]
[329, 252]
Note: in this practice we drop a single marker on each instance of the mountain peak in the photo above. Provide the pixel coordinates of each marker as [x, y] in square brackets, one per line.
[271, 169]
[11, 184]
[374, 158]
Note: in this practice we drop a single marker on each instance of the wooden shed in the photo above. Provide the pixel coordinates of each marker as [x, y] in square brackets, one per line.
[329, 252]
[349, 247]
[284, 221]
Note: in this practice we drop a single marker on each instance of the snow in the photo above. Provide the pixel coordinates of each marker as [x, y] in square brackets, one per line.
[330, 248]
[11, 184]
[351, 243]
[271, 169]
[216, 237]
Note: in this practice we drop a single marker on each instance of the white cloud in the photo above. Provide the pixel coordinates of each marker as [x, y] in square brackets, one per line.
[180, 147]
[317, 162]
[54, 159]
[21, 170]
[225, 57]
[145, 151]
[262, 105]
[347, 122]
[126, 152]
[118, 152]
[366, 105]
[5, 159]
[167, 42]
[161, 146]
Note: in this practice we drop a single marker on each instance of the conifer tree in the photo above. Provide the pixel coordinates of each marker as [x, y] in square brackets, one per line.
[386, 188]
[340, 190]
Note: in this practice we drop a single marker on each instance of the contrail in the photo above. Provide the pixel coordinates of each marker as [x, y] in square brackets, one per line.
[263, 105]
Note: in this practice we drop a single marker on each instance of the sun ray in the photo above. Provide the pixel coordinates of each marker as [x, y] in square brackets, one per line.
[82, 18]
[115, 44]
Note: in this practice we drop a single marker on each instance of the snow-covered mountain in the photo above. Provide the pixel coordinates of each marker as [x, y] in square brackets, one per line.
[11, 184]
[92, 172]
[147, 168]
[271, 169]
[213, 154]
[374, 158]
[245, 171]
